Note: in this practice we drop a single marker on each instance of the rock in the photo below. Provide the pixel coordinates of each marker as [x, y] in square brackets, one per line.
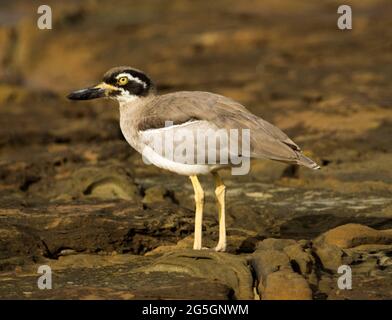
[370, 248]
[18, 245]
[300, 258]
[265, 262]
[365, 287]
[385, 261]
[226, 268]
[48, 229]
[242, 242]
[274, 244]
[330, 256]
[352, 235]
[67, 252]
[155, 195]
[185, 243]
[286, 285]
[326, 284]
[111, 182]
[106, 277]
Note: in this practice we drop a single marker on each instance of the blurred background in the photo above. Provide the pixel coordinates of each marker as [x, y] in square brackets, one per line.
[67, 174]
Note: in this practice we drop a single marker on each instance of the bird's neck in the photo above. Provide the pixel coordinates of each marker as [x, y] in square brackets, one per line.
[131, 112]
[129, 106]
[127, 100]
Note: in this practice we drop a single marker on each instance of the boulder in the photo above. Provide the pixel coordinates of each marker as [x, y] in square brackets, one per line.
[330, 256]
[274, 244]
[286, 285]
[228, 269]
[352, 235]
[300, 258]
[265, 262]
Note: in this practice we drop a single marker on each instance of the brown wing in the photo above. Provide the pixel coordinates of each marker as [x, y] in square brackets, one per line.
[267, 141]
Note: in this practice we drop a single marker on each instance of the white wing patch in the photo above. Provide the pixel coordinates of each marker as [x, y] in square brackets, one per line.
[171, 126]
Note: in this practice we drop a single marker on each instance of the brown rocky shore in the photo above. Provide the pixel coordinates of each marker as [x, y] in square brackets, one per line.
[76, 197]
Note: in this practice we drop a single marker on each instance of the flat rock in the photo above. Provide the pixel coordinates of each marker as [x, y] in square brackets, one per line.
[106, 277]
[46, 230]
[365, 286]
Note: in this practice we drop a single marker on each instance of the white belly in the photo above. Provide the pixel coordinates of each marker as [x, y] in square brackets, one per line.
[151, 157]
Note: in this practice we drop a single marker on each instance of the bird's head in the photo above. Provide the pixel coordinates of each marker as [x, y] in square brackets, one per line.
[124, 84]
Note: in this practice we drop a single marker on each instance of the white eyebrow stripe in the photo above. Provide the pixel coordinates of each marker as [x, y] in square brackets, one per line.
[131, 78]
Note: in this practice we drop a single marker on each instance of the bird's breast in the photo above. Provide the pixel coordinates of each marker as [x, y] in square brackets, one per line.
[128, 126]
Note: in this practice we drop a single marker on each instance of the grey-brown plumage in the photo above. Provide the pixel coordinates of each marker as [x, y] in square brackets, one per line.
[267, 141]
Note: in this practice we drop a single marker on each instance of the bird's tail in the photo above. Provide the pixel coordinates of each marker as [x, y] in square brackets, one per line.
[307, 162]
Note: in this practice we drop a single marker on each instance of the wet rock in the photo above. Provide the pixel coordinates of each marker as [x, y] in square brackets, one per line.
[286, 285]
[352, 235]
[228, 269]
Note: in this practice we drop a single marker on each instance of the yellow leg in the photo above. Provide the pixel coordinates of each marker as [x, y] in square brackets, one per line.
[199, 199]
[220, 192]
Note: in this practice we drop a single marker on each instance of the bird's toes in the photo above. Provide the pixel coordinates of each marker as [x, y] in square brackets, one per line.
[220, 248]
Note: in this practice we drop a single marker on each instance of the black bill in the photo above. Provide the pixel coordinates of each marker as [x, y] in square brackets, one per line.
[87, 94]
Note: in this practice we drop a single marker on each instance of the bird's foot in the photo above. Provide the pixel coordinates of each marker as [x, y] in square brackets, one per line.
[221, 247]
[203, 248]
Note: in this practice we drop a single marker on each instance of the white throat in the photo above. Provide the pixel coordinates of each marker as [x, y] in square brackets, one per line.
[127, 99]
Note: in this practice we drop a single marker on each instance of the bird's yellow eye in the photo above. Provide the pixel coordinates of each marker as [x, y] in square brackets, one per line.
[122, 81]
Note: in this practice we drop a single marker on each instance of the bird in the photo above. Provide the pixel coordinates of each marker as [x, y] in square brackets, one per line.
[147, 116]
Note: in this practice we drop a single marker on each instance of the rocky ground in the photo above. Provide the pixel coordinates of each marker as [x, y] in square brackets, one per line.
[75, 196]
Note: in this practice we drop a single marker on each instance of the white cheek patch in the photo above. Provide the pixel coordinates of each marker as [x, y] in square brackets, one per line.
[131, 78]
